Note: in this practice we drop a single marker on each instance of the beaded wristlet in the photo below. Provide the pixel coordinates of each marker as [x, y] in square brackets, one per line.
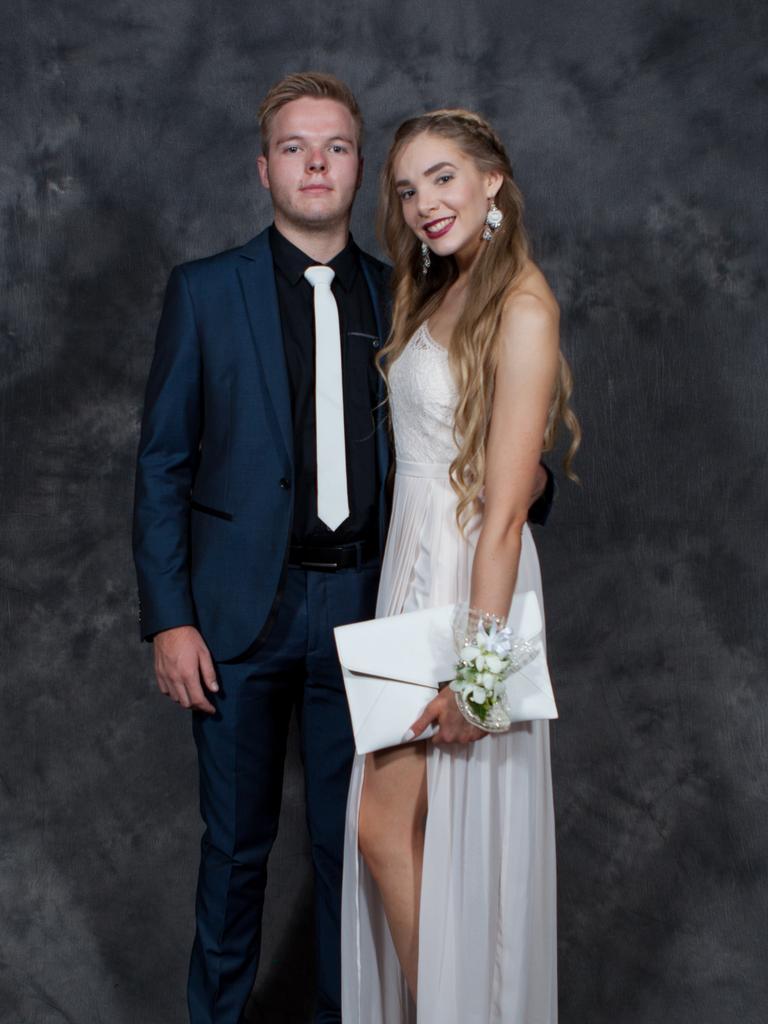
[488, 654]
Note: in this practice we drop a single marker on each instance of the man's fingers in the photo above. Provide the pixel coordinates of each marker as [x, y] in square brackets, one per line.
[207, 671]
[203, 704]
[189, 694]
[198, 699]
[183, 666]
[179, 693]
[163, 682]
[539, 483]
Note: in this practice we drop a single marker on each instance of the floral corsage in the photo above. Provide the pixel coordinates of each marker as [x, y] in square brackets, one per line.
[489, 653]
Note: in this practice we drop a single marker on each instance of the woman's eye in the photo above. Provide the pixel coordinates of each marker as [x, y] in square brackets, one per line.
[406, 194]
[445, 177]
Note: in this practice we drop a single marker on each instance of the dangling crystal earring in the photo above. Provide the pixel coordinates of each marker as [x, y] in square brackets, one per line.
[493, 220]
[426, 261]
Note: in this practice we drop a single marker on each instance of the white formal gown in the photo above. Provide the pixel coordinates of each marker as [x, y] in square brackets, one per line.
[487, 941]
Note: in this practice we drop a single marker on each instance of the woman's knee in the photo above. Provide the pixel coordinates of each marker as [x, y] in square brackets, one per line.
[386, 841]
[373, 835]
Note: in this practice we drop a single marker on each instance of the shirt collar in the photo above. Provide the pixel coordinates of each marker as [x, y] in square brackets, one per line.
[292, 262]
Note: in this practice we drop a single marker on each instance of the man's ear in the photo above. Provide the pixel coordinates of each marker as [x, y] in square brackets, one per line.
[263, 165]
[360, 169]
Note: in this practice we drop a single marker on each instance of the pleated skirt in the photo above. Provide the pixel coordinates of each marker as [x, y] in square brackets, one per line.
[487, 926]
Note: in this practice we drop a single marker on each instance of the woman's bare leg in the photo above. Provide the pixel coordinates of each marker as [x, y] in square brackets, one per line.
[393, 810]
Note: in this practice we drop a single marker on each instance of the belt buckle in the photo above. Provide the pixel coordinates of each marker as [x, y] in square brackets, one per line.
[320, 565]
[356, 549]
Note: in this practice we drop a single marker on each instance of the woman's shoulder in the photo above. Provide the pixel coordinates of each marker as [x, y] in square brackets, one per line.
[530, 297]
[530, 308]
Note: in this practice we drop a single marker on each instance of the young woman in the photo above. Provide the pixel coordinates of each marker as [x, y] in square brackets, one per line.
[449, 914]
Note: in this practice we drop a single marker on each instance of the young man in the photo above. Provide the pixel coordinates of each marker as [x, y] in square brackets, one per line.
[259, 525]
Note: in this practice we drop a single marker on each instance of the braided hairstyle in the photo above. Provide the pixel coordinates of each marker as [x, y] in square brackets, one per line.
[473, 347]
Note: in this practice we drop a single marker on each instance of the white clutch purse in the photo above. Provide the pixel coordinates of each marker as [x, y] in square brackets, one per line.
[392, 668]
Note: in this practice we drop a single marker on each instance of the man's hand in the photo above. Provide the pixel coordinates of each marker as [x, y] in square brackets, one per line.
[183, 665]
[539, 484]
[453, 727]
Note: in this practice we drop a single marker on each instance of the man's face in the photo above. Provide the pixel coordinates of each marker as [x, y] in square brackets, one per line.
[313, 166]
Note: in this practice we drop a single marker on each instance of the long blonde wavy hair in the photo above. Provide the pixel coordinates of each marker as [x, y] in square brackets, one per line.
[473, 348]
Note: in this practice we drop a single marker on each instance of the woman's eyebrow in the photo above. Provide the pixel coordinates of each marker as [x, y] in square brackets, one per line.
[430, 170]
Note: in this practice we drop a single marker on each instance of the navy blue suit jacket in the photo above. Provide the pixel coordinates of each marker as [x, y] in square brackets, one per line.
[214, 481]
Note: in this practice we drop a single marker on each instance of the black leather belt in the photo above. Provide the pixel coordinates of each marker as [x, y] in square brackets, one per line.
[342, 556]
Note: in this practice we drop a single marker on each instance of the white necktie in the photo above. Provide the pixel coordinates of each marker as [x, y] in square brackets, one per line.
[332, 502]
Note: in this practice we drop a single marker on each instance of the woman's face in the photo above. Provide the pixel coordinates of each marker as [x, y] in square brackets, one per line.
[444, 197]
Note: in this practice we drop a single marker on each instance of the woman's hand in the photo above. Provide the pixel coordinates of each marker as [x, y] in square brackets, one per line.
[452, 726]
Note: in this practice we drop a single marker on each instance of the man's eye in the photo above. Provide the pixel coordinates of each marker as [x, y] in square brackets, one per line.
[291, 149]
[339, 149]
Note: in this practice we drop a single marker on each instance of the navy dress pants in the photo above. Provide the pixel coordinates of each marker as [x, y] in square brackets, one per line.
[241, 750]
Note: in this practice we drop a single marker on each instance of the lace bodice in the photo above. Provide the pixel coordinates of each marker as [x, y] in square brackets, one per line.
[422, 396]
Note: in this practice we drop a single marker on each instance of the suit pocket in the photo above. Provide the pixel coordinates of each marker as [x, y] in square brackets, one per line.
[207, 510]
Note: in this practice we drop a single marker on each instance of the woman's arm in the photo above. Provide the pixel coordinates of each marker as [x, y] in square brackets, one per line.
[525, 377]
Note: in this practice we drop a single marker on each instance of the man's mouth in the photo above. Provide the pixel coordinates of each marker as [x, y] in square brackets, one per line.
[437, 228]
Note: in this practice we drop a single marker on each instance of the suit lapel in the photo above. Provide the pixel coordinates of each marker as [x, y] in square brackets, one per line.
[374, 287]
[257, 280]
[380, 300]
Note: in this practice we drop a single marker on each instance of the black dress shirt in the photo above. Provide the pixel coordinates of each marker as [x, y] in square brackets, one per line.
[359, 344]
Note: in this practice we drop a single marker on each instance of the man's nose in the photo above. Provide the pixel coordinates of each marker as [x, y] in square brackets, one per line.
[316, 161]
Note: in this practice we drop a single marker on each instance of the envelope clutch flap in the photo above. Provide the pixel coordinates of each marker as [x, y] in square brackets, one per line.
[416, 647]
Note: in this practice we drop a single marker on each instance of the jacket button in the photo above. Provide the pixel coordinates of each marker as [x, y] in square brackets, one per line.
[285, 484]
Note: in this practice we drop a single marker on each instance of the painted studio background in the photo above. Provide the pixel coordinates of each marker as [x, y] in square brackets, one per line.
[637, 134]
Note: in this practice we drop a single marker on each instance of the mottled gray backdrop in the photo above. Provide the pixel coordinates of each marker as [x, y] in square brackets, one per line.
[637, 134]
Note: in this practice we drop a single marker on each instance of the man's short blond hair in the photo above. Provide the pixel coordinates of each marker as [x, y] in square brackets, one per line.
[315, 84]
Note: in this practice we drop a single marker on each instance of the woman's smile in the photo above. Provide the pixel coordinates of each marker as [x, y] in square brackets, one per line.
[438, 228]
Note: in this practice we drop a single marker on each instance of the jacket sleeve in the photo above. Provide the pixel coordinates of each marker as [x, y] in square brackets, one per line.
[167, 460]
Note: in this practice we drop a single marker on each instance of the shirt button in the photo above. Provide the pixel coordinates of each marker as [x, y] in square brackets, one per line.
[285, 484]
